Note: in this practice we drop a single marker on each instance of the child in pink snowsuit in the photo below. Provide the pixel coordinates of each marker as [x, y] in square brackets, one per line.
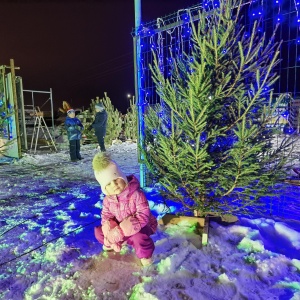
[126, 215]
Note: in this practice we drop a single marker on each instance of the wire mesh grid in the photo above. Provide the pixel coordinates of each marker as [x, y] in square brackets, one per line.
[170, 37]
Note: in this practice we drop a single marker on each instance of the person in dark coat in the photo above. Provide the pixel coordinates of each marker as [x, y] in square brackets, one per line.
[74, 129]
[99, 125]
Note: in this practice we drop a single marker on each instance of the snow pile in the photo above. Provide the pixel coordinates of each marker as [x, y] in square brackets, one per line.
[49, 207]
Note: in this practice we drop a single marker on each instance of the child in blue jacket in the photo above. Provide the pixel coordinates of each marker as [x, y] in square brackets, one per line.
[74, 129]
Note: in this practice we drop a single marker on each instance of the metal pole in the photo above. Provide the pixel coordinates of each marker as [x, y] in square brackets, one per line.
[34, 91]
[32, 98]
[52, 112]
[139, 98]
[22, 110]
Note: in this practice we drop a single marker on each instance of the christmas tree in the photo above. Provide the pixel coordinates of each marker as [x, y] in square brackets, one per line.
[130, 121]
[114, 121]
[208, 143]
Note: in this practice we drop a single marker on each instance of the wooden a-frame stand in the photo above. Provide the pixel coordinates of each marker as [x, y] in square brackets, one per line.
[40, 124]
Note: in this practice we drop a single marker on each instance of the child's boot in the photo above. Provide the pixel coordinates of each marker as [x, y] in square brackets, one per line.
[107, 248]
[146, 261]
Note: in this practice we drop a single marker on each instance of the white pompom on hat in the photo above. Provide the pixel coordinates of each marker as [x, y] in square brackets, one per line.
[106, 171]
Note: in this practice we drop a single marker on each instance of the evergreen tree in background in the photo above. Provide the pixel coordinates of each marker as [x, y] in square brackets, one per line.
[114, 121]
[130, 121]
[208, 143]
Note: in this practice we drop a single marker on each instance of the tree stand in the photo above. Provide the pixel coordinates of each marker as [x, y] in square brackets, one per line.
[202, 223]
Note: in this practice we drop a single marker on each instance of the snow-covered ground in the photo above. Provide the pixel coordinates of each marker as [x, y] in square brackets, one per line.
[49, 206]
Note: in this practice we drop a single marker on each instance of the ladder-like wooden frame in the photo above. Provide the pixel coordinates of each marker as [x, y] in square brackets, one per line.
[39, 123]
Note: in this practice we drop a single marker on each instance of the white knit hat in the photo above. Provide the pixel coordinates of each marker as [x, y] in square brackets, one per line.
[108, 174]
[71, 110]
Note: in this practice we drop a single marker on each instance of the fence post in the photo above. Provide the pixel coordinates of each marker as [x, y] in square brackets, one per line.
[139, 101]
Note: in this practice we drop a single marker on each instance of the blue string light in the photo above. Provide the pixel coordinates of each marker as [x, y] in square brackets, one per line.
[285, 114]
[203, 137]
[288, 130]
[216, 4]
[279, 18]
[177, 40]
[185, 17]
[161, 114]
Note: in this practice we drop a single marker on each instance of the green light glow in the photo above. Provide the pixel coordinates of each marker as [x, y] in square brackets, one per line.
[72, 206]
[4, 245]
[164, 265]
[296, 263]
[21, 270]
[250, 246]
[138, 293]
[293, 285]
[223, 278]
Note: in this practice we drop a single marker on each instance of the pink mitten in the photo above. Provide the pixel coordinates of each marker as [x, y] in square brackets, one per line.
[130, 226]
[116, 247]
[108, 225]
[115, 235]
[106, 242]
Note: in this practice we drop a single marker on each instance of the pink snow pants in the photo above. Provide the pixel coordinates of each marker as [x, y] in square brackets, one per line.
[141, 241]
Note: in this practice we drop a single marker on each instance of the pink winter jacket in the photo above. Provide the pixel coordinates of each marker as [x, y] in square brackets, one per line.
[130, 210]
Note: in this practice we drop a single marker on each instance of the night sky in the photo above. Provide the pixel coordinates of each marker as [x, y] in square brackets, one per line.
[80, 49]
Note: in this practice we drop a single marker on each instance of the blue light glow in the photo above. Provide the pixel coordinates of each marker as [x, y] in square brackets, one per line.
[279, 18]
